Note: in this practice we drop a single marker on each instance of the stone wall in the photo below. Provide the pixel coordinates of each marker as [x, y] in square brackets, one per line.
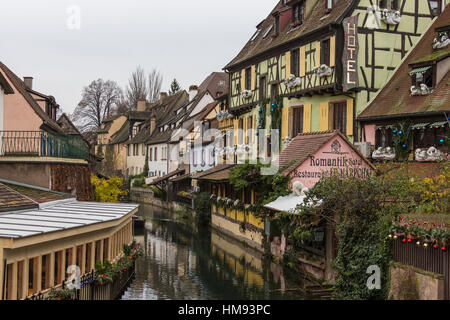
[147, 196]
[75, 179]
[409, 283]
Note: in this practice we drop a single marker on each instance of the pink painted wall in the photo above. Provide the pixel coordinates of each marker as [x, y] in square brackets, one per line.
[370, 133]
[346, 160]
[18, 114]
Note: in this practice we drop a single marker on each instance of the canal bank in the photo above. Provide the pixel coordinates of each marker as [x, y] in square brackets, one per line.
[181, 263]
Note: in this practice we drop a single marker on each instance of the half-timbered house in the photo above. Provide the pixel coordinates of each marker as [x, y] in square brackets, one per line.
[313, 65]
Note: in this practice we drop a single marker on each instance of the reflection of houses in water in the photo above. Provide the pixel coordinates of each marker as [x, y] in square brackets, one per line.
[245, 264]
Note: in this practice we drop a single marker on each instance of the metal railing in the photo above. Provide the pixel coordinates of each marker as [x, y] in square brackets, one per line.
[431, 260]
[42, 144]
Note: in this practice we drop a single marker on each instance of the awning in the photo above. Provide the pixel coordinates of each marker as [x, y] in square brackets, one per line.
[181, 178]
[419, 70]
[168, 176]
[63, 215]
[441, 124]
[420, 126]
[286, 204]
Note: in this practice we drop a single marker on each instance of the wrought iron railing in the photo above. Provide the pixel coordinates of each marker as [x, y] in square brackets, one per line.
[42, 144]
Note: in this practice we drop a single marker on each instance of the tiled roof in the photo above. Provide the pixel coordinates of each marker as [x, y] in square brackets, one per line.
[217, 169]
[215, 82]
[11, 200]
[315, 21]
[395, 98]
[38, 195]
[20, 86]
[122, 135]
[168, 176]
[5, 85]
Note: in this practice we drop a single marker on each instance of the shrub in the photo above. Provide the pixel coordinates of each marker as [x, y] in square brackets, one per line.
[202, 207]
[108, 190]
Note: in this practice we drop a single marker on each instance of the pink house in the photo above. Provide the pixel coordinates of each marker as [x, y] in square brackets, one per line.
[319, 154]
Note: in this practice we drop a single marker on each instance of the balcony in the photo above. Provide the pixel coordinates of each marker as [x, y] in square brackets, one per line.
[42, 144]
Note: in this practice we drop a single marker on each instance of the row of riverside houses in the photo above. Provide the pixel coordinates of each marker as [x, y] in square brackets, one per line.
[47, 222]
[331, 82]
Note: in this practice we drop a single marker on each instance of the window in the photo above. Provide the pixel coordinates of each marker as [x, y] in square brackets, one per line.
[203, 157]
[156, 153]
[128, 150]
[435, 7]
[241, 131]
[256, 34]
[298, 14]
[388, 4]
[297, 121]
[262, 88]
[248, 78]
[329, 5]
[212, 156]
[150, 154]
[295, 63]
[325, 52]
[274, 90]
[277, 24]
[250, 129]
[267, 31]
[423, 77]
[340, 117]
[194, 158]
[143, 150]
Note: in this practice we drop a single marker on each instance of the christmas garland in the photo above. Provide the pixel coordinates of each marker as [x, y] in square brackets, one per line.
[262, 114]
[423, 234]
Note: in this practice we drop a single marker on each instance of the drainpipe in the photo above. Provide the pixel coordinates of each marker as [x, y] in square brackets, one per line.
[4, 278]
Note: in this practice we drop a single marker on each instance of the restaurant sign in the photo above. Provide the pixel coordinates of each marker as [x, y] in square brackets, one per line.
[335, 157]
[350, 54]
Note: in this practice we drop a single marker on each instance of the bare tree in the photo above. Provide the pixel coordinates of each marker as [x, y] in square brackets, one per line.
[154, 85]
[137, 88]
[99, 101]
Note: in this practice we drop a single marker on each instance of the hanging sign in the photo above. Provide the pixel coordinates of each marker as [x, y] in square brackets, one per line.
[350, 54]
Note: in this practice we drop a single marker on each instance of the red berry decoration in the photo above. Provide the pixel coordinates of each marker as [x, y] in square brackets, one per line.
[409, 240]
[444, 249]
[436, 246]
[404, 240]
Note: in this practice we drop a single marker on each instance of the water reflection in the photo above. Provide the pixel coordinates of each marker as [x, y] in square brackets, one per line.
[184, 264]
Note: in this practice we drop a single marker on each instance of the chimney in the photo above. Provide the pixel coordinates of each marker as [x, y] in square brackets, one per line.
[193, 91]
[141, 105]
[28, 82]
[152, 124]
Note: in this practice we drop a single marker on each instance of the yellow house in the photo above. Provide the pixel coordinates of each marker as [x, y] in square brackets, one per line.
[314, 65]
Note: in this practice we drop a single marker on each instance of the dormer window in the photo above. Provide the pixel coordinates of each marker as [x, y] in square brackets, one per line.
[277, 24]
[435, 7]
[298, 13]
[329, 5]
[388, 4]
[422, 81]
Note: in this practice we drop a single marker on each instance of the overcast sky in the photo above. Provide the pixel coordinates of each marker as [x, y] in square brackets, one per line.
[183, 39]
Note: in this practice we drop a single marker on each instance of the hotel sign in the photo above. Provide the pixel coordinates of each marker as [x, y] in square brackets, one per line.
[350, 55]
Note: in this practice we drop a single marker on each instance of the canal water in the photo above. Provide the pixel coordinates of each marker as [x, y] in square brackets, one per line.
[183, 264]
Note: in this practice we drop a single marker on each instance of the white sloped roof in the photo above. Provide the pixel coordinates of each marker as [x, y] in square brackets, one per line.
[60, 216]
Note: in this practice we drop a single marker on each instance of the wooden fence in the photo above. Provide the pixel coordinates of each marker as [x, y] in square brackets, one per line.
[430, 259]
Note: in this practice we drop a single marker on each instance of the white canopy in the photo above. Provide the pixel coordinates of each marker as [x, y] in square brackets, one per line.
[60, 216]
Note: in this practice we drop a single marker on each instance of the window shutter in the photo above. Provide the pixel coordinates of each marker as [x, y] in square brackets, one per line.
[307, 118]
[302, 65]
[324, 110]
[243, 80]
[291, 123]
[332, 51]
[253, 80]
[285, 123]
[350, 117]
[244, 133]
[288, 64]
[236, 128]
[318, 54]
